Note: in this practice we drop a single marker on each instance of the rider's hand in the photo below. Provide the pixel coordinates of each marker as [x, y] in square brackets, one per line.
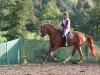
[60, 28]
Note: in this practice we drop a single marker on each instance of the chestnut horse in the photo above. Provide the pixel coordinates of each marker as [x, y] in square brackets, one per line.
[56, 41]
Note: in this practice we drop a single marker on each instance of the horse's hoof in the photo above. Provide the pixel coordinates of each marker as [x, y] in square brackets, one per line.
[64, 62]
[55, 60]
[42, 63]
[79, 62]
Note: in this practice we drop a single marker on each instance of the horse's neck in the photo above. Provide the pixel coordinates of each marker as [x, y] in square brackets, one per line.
[51, 33]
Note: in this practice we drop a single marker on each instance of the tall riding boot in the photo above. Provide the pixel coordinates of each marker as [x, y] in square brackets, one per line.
[64, 40]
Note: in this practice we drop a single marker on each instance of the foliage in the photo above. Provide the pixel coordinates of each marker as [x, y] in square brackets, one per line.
[81, 15]
[50, 13]
[94, 22]
[34, 51]
[14, 15]
[2, 39]
[19, 17]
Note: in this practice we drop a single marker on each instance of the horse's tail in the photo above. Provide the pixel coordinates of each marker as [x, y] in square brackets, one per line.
[91, 45]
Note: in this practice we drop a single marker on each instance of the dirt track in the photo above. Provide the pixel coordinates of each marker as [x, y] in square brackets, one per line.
[51, 69]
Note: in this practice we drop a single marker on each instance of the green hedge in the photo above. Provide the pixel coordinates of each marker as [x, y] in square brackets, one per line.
[33, 51]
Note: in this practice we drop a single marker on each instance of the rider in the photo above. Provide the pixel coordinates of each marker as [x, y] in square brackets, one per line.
[65, 26]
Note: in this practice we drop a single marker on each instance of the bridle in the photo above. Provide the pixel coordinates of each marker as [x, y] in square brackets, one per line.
[42, 32]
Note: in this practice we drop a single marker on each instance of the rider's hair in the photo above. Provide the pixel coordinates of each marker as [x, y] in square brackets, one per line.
[65, 13]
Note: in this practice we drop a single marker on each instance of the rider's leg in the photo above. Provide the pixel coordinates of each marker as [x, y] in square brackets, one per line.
[65, 35]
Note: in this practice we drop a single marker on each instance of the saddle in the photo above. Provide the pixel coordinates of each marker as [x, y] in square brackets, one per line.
[69, 36]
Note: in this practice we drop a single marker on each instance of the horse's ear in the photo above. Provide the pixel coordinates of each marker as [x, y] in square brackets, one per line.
[92, 37]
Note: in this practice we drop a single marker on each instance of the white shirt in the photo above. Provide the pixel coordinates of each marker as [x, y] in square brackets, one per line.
[64, 22]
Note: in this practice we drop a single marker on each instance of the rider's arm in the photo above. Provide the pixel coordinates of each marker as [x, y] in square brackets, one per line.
[61, 26]
[67, 23]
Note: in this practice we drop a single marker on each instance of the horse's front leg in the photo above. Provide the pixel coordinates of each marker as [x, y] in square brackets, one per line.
[49, 53]
[54, 59]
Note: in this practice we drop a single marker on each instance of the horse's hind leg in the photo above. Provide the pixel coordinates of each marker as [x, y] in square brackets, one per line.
[81, 54]
[67, 59]
[72, 54]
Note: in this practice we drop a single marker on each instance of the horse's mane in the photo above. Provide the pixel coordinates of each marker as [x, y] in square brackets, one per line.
[50, 25]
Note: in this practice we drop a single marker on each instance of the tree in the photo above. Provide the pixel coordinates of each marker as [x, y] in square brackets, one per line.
[94, 22]
[81, 14]
[14, 15]
[50, 13]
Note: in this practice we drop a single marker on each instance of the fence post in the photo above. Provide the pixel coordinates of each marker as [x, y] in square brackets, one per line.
[7, 60]
[20, 42]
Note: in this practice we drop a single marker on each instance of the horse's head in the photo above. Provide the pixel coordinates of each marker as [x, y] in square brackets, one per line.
[47, 28]
[42, 31]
